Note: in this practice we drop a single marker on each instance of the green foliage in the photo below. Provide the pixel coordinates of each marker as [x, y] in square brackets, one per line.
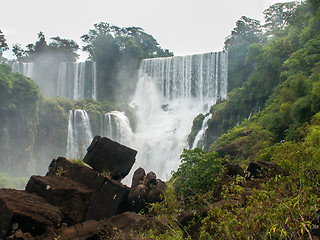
[198, 172]
[283, 209]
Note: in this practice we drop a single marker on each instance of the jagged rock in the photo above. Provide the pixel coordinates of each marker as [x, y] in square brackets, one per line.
[71, 197]
[145, 189]
[82, 231]
[20, 210]
[110, 200]
[109, 156]
[78, 172]
[233, 169]
[263, 169]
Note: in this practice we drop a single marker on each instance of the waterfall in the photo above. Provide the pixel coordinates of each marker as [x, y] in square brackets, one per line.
[77, 80]
[25, 68]
[79, 134]
[201, 134]
[170, 93]
[116, 126]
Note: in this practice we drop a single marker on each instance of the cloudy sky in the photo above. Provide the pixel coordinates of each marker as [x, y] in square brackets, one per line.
[182, 26]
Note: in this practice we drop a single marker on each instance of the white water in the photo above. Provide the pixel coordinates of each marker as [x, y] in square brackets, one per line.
[201, 134]
[116, 126]
[79, 134]
[170, 93]
[77, 80]
[25, 68]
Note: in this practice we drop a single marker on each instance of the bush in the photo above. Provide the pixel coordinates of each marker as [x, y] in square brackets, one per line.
[198, 173]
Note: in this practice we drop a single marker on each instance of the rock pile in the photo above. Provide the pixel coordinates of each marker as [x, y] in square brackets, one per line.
[77, 201]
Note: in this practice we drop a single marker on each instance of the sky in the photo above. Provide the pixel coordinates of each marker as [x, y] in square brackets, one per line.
[184, 27]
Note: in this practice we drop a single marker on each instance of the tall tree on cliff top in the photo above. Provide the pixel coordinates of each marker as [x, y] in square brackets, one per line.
[3, 44]
[118, 52]
[246, 32]
[278, 15]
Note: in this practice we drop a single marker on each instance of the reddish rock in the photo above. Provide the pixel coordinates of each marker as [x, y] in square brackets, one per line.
[71, 197]
[20, 210]
[108, 156]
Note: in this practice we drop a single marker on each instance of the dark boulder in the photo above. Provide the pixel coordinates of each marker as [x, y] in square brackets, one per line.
[145, 189]
[108, 156]
[128, 224]
[232, 169]
[20, 210]
[109, 200]
[71, 197]
[263, 169]
[78, 172]
[82, 231]
[139, 177]
[156, 191]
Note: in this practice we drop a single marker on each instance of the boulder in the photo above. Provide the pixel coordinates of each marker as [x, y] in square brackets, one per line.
[263, 169]
[78, 172]
[128, 224]
[82, 231]
[109, 200]
[232, 169]
[156, 191]
[71, 197]
[145, 189]
[108, 156]
[20, 210]
[138, 177]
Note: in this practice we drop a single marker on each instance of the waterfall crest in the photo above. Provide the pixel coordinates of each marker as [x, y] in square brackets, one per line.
[77, 80]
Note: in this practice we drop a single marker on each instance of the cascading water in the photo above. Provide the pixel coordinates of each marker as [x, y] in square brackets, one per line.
[116, 126]
[200, 135]
[79, 134]
[77, 80]
[170, 93]
[25, 68]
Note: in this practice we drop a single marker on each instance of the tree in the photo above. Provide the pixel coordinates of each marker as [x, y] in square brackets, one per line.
[118, 52]
[246, 32]
[18, 51]
[3, 44]
[278, 15]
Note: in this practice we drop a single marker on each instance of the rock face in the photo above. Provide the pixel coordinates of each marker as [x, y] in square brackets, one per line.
[26, 211]
[145, 189]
